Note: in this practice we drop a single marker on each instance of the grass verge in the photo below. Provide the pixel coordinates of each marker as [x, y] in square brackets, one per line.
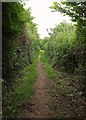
[67, 98]
[22, 91]
[48, 67]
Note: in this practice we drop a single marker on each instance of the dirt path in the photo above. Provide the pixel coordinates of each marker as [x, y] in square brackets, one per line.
[39, 105]
[60, 104]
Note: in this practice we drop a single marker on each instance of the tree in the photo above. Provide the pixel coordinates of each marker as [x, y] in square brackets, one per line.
[77, 12]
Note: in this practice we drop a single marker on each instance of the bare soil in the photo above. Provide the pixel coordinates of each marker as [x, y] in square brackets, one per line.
[39, 106]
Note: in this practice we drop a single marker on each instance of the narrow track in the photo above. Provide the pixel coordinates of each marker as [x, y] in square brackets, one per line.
[39, 105]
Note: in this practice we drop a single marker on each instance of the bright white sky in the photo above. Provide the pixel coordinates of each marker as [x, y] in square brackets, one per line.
[43, 15]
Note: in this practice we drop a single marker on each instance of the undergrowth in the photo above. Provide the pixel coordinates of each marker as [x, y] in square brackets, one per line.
[65, 91]
[51, 72]
[21, 92]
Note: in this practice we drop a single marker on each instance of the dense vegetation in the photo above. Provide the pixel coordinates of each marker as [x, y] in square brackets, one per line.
[19, 52]
[66, 47]
[60, 48]
[19, 37]
[66, 92]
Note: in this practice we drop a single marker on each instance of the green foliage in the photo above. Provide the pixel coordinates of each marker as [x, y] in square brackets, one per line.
[74, 9]
[77, 12]
[43, 43]
[20, 48]
[60, 48]
[48, 68]
[19, 38]
[66, 89]
[21, 92]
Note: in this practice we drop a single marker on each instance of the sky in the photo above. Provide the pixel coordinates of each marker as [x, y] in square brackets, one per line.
[43, 15]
